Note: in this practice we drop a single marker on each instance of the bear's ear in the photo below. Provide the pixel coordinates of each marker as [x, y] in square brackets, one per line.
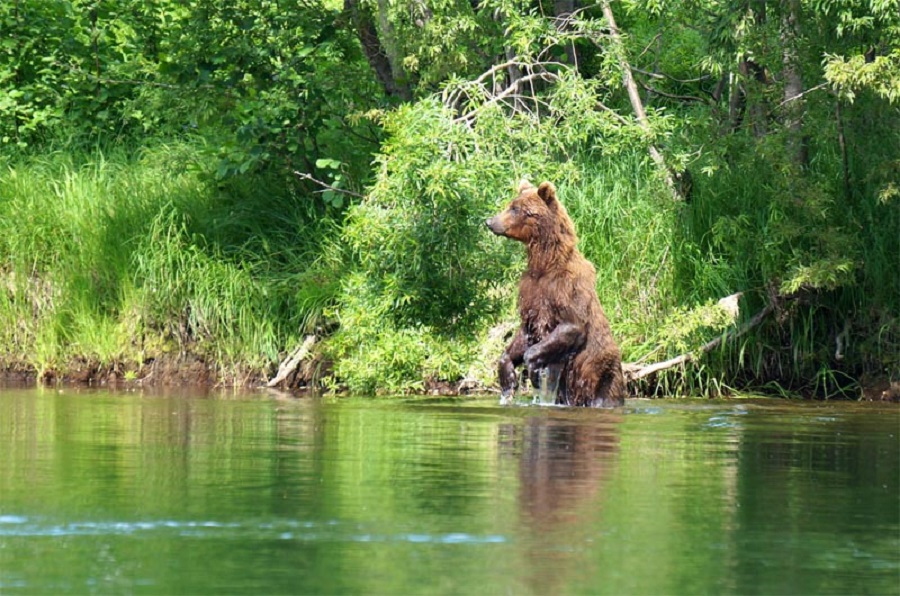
[547, 192]
[524, 185]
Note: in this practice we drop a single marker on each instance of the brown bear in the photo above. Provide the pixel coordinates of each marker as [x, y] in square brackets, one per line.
[563, 331]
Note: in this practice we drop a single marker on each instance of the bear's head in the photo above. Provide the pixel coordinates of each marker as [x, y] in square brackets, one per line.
[533, 213]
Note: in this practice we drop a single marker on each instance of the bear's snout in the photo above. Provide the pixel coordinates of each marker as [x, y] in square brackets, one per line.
[494, 225]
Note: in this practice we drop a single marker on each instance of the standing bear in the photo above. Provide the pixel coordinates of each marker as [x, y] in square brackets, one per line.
[563, 330]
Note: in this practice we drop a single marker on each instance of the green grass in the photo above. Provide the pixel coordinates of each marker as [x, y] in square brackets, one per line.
[118, 256]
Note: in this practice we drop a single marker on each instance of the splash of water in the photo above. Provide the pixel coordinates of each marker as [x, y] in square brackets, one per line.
[548, 385]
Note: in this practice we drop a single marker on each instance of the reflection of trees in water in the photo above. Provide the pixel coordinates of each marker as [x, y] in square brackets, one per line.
[817, 486]
[564, 465]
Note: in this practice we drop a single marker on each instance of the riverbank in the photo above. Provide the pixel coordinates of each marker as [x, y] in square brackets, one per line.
[311, 377]
[139, 266]
[188, 370]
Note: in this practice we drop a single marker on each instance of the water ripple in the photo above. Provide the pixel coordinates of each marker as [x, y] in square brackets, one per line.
[12, 526]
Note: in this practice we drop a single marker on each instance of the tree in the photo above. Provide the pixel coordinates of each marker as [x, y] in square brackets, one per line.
[388, 71]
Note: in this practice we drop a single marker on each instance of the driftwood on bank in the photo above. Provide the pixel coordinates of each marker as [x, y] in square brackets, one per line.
[634, 371]
[293, 361]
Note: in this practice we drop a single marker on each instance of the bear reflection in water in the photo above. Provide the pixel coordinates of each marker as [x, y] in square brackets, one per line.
[564, 463]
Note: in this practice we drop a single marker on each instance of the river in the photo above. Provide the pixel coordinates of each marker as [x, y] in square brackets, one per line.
[150, 493]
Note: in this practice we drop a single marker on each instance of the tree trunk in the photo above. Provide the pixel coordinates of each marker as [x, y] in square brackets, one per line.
[563, 10]
[514, 71]
[736, 101]
[842, 143]
[18, 61]
[375, 52]
[760, 79]
[391, 50]
[755, 80]
[636, 104]
[793, 83]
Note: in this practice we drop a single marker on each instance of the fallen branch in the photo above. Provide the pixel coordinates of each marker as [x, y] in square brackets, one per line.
[292, 362]
[633, 371]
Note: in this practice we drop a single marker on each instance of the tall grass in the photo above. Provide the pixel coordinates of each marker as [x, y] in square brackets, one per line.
[625, 224]
[120, 256]
[114, 257]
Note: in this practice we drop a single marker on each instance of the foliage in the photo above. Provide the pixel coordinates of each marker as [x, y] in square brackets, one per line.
[111, 258]
[425, 257]
[269, 84]
[685, 329]
[149, 200]
[871, 58]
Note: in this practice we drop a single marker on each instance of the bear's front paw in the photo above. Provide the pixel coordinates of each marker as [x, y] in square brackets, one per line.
[533, 359]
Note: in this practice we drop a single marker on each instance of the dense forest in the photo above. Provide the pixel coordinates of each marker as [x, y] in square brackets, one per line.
[206, 184]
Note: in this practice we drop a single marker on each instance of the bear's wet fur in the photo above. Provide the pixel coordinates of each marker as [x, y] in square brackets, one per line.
[563, 330]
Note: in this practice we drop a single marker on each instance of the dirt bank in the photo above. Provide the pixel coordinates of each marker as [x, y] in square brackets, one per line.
[167, 370]
[194, 371]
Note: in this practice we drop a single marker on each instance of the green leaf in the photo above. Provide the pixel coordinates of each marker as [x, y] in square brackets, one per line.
[328, 164]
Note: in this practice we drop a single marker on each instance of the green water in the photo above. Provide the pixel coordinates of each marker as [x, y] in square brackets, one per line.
[130, 493]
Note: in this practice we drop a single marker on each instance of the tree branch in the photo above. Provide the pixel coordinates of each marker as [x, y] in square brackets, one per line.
[671, 95]
[621, 119]
[327, 186]
[635, 98]
[293, 361]
[799, 96]
[509, 91]
[659, 75]
[633, 371]
[646, 48]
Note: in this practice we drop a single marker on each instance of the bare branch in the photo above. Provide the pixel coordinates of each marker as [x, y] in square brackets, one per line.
[671, 95]
[477, 87]
[635, 98]
[634, 372]
[293, 361]
[660, 75]
[516, 61]
[646, 48]
[800, 95]
[327, 186]
[508, 92]
[615, 114]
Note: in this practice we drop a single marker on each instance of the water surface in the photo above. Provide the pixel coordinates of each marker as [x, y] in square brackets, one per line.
[111, 493]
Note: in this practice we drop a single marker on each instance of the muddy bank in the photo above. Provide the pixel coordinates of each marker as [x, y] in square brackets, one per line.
[312, 375]
[168, 370]
[195, 371]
